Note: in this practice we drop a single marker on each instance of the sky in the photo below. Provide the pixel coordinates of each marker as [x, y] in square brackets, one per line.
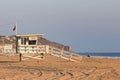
[85, 25]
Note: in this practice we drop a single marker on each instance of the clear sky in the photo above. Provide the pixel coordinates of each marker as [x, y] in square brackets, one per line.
[86, 25]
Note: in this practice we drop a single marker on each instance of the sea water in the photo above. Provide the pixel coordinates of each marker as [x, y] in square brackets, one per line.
[108, 55]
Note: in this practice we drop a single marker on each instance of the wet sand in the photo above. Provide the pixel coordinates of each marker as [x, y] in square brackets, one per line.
[54, 68]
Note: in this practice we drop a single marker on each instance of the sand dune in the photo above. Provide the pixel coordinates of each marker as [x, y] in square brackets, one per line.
[54, 68]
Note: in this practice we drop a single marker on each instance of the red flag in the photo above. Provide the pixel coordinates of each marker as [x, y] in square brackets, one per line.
[14, 28]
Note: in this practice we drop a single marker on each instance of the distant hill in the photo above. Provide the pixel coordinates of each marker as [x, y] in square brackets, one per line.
[45, 41]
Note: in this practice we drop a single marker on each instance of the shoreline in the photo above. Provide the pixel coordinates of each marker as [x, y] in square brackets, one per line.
[103, 57]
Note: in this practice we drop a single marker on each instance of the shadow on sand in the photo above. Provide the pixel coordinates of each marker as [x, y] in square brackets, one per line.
[9, 61]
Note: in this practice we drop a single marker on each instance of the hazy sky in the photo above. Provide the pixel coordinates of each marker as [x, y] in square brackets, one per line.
[86, 25]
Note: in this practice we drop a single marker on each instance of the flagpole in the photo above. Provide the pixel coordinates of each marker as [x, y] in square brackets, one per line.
[16, 37]
[16, 28]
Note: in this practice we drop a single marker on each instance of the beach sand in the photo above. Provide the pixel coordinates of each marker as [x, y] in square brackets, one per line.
[54, 68]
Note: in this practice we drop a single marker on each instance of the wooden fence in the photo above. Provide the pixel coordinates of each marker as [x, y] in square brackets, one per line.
[68, 55]
[32, 56]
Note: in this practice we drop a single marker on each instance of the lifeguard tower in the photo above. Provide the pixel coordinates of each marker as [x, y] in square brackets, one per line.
[29, 43]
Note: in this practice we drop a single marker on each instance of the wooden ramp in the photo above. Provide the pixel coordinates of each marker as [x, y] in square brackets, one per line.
[68, 55]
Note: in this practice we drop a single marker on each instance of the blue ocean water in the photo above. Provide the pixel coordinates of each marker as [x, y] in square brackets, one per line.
[111, 55]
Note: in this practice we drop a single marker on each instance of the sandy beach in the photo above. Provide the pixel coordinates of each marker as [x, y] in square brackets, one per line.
[54, 68]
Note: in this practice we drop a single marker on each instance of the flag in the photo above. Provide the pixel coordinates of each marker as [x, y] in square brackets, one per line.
[14, 28]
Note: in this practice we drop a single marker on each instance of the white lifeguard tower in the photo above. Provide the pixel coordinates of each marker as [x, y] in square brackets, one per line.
[29, 43]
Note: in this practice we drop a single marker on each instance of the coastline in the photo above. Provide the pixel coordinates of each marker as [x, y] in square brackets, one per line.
[102, 57]
[113, 55]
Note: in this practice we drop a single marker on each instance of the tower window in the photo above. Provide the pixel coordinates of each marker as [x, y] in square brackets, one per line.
[23, 41]
[32, 42]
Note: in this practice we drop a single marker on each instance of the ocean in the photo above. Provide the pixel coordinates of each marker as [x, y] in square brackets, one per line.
[108, 55]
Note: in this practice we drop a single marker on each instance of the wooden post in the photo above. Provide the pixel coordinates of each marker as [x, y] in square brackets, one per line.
[70, 55]
[20, 57]
[3, 46]
[61, 52]
[51, 51]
